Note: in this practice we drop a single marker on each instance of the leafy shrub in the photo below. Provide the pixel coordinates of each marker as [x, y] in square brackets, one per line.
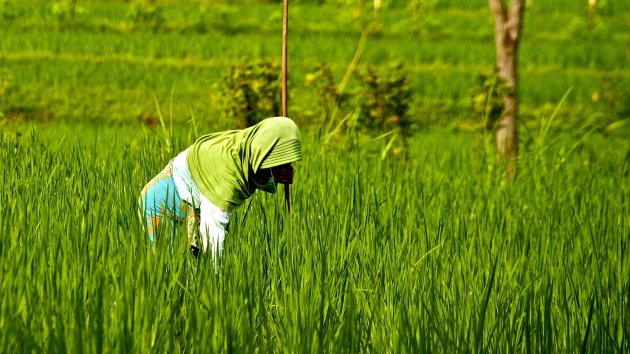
[7, 10]
[145, 14]
[65, 10]
[379, 103]
[221, 17]
[224, 18]
[322, 80]
[384, 97]
[5, 81]
[613, 97]
[251, 92]
[487, 102]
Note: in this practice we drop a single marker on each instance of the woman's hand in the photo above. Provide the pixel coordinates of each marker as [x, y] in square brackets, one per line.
[283, 173]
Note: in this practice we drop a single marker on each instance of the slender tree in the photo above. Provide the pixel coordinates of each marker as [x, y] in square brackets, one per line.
[508, 24]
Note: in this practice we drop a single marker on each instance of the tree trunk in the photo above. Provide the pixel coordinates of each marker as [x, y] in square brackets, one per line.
[507, 32]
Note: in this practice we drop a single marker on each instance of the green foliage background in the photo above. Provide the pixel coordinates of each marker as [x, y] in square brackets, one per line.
[107, 61]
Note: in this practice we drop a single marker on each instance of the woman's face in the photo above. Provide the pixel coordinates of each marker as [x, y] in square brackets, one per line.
[281, 174]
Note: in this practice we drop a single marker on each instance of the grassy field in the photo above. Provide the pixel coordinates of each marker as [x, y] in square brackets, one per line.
[435, 252]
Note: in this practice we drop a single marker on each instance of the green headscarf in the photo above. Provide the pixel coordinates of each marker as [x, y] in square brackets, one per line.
[223, 164]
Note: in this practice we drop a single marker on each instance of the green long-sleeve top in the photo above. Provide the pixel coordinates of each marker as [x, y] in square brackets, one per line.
[223, 164]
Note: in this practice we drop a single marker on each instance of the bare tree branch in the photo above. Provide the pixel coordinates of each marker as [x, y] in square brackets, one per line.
[516, 16]
[498, 10]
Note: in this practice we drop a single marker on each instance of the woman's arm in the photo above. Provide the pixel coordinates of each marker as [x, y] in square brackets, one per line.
[193, 229]
[212, 225]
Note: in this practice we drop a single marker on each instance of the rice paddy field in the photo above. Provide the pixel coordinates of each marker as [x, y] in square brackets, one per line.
[436, 251]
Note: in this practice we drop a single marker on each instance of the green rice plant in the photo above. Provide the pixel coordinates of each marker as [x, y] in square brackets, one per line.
[435, 254]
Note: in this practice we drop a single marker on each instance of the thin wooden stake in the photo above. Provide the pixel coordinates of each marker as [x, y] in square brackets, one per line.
[287, 197]
[285, 35]
[285, 99]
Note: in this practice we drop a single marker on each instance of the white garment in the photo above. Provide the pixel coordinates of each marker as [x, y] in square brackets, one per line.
[213, 220]
[212, 224]
[186, 187]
